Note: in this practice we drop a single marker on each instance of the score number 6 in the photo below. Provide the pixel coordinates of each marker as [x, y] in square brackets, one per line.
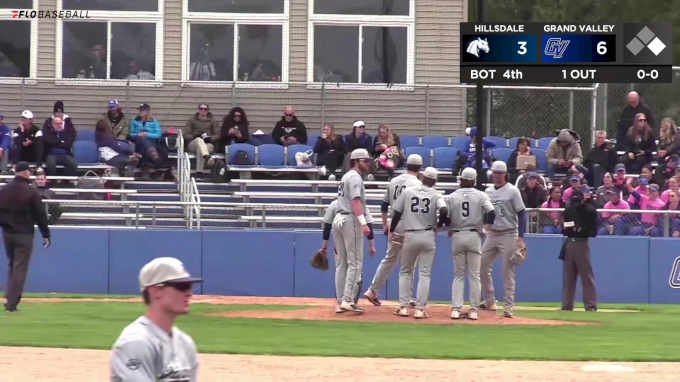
[601, 48]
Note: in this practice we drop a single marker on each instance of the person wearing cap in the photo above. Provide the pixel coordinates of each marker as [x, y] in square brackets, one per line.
[58, 111]
[575, 183]
[21, 208]
[580, 224]
[522, 179]
[650, 224]
[600, 158]
[152, 348]
[466, 158]
[202, 132]
[614, 223]
[397, 185]
[533, 194]
[289, 130]
[422, 209]
[349, 227]
[115, 120]
[563, 153]
[28, 141]
[146, 132]
[504, 239]
[474, 213]
[5, 144]
[58, 139]
[357, 139]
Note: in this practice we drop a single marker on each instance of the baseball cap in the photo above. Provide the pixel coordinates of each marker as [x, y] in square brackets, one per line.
[532, 175]
[575, 178]
[144, 106]
[473, 130]
[431, 173]
[21, 166]
[27, 114]
[164, 270]
[360, 154]
[414, 159]
[577, 196]
[643, 181]
[499, 166]
[653, 187]
[620, 167]
[113, 103]
[359, 123]
[469, 173]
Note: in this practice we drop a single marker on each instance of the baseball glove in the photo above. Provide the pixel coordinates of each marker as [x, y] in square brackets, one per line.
[320, 260]
[519, 256]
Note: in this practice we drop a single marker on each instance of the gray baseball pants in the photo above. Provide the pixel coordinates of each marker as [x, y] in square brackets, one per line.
[467, 256]
[502, 244]
[418, 246]
[386, 266]
[349, 257]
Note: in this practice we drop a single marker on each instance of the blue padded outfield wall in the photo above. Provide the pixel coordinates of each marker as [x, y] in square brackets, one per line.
[276, 263]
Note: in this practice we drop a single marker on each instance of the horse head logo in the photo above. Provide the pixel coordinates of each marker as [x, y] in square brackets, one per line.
[478, 45]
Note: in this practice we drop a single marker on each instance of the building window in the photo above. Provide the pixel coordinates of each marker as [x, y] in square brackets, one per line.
[246, 42]
[122, 40]
[362, 42]
[17, 4]
[15, 48]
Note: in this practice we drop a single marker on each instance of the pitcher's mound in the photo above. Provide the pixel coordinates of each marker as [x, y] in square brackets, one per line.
[438, 315]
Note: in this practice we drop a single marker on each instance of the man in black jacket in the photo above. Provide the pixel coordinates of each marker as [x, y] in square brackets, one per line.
[290, 130]
[635, 106]
[600, 159]
[59, 140]
[21, 207]
[28, 141]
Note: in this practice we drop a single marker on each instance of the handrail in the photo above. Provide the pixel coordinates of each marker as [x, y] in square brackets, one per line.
[196, 198]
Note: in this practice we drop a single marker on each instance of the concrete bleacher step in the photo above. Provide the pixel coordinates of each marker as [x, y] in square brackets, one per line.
[216, 188]
[156, 197]
[154, 186]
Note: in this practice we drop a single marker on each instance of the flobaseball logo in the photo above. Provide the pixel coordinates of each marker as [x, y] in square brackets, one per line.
[29, 14]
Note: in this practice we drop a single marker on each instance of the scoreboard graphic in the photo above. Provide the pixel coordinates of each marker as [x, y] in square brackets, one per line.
[563, 52]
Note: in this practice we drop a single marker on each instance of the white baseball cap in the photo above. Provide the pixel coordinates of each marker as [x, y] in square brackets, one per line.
[165, 270]
[360, 154]
[414, 159]
[469, 173]
[431, 173]
[27, 114]
[499, 166]
[359, 123]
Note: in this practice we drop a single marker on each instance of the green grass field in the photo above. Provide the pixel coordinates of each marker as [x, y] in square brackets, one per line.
[649, 335]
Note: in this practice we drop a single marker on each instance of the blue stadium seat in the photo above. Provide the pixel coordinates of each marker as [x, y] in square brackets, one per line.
[541, 159]
[434, 141]
[312, 138]
[409, 141]
[444, 158]
[499, 141]
[513, 142]
[233, 148]
[424, 152]
[294, 149]
[85, 135]
[460, 143]
[271, 156]
[260, 139]
[544, 142]
[502, 154]
[86, 152]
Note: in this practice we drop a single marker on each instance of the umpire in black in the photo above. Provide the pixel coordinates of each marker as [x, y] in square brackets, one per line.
[21, 207]
[580, 224]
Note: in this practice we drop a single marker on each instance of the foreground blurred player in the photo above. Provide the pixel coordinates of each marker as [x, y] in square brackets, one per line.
[152, 349]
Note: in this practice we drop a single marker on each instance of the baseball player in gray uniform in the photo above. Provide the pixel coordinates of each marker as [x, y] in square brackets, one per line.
[410, 179]
[349, 225]
[152, 349]
[504, 238]
[418, 206]
[473, 211]
[328, 218]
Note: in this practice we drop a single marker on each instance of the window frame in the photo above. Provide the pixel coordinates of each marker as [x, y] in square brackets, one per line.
[212, 18]
[6, 14]
[361, 21]
[113, 17]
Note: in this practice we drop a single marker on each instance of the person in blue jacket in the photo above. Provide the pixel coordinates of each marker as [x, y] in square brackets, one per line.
[466, 158]
[5, 144]
[146, 132]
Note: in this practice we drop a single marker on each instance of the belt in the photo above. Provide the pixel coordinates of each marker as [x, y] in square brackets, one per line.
[464, 230]
[416, 230]
[577, 239]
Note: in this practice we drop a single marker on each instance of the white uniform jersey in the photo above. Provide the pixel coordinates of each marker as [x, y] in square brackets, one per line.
[419, 207]
[145, 352]
[351, 187]
[395, 188]
[332, 210]
[507, 201]
[467, 207]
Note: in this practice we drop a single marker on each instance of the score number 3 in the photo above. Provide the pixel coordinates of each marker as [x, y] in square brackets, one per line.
[522, 47]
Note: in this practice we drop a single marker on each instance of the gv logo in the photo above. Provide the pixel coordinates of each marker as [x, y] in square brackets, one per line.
[674, 281]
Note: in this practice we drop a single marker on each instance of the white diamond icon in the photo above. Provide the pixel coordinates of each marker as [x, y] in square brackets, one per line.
[656, 46]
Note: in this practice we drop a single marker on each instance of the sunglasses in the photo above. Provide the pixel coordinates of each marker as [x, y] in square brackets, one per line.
[289, 115]
[237, 115]
[361, 127]
[642, 120]
[182, 287]
[202, 108]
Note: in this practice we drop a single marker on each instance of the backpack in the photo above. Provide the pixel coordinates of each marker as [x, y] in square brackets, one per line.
[169, 139]
[241, 158]
[218, 172]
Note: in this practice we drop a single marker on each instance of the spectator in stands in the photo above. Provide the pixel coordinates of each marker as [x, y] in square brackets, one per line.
[383, 141]
[533, 194]
[567, 182]
[522, 179]
[146, 131]
[357, 139]
[671, 186]
[614, 223]
[58, 111]
[54, 210]
[5, 144]
[235, 129]
[201, 132]
[601, 158]
[552, 221]
[620, 179]
[667, 150]
[673, 204]
[640, 143]
[602, 195]
[114, 119]
[59, 140]
[329, 150]
[468, 158]
[627, 118]
[564, 152]
[523, 150]
[114, 152]
[649, 222]
[290, 130]
[28, 141]
[576, 182]
[670, 169]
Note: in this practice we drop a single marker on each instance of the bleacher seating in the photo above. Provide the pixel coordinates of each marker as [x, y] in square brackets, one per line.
[409, 141]
[424, 152]
[498, 141]
[86, 152]
[544, 142]
[85, 135]
[512, 143]
[460, 143]
[444, 158]
[434, 141]
[502, 154]
[271, 156]
[294, 149]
